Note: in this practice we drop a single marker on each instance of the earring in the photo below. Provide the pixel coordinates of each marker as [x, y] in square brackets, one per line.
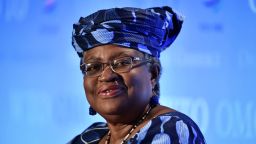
[92, 111]
[154, 100]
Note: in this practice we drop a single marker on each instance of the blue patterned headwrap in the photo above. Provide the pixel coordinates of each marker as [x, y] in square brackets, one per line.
[149, 30]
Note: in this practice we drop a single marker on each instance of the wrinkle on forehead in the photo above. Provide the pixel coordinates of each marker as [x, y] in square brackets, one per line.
[109, 52]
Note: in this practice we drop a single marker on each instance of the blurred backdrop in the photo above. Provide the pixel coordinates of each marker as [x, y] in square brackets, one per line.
[209, 73]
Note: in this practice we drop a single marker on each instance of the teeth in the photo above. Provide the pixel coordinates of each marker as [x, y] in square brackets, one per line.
[108, 91]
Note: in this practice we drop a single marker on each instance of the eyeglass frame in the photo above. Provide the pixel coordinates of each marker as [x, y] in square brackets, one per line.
[110, 65]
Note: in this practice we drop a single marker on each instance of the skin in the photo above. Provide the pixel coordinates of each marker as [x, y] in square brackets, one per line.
[125, 107]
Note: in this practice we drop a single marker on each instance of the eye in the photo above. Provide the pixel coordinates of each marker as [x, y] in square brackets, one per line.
[122, 62]
[92, 67]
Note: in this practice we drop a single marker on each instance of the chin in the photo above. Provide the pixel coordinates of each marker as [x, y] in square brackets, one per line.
[113, 108]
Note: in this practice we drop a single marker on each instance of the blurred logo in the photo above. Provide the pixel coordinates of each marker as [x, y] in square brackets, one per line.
[50, 27]
[50, 5]
[13, 10]
[213, 4]
[213, 25]
[210, 3]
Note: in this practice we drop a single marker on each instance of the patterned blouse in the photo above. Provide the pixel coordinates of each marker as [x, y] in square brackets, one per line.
[168, 128]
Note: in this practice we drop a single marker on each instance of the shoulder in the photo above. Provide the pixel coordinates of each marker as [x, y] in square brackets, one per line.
[91, 135]
[171, 127]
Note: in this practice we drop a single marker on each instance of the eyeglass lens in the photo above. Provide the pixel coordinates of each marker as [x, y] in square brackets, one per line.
[118, 65]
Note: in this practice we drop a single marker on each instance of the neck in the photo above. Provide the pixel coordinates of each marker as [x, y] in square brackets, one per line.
[120, 132]
[117, 132]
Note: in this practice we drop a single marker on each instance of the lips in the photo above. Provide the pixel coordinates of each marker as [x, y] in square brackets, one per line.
[109, 91]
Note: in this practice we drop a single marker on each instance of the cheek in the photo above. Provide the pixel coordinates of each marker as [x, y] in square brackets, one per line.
[89, 88]
[139, 84]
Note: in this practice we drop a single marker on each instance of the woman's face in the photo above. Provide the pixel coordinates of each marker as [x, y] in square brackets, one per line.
[117, 93]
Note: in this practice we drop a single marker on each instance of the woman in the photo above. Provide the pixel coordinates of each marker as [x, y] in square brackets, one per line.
[119, 50]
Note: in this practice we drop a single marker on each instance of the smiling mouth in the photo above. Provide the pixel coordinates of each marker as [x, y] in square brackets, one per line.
[111, 92]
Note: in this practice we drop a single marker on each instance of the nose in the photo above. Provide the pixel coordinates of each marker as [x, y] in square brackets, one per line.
[107, 75]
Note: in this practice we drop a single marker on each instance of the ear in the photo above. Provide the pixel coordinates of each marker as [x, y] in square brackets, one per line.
[155, 71]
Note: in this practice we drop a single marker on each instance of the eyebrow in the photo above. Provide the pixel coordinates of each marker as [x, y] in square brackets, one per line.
[93, 58]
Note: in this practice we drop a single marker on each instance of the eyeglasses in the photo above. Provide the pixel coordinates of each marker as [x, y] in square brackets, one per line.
[119, 65]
